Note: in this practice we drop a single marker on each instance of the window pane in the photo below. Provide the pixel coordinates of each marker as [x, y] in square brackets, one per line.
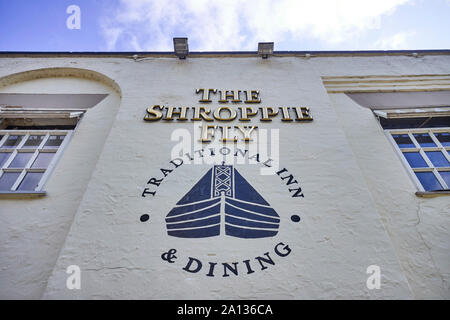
[21, 159]
[444, 138]
[428, 181]
[33, 142]
[403, 141]
[446, 176]
[415, 160]
[43, 159]
[424, 140]
[12, 142]
[31, 181]
[7, 180]
[438, 159]
[4, 157]
[54, 141]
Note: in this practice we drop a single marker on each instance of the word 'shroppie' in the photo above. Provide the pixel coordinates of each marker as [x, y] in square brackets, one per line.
[226, 113]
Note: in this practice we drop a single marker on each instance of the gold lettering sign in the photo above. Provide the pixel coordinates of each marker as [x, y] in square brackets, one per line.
[205, 94]
[209, 131]
[252, 96]
[226, 94]
[228, 113]
[218, 116]
[247, 112]
[268, 113]
[181, 114]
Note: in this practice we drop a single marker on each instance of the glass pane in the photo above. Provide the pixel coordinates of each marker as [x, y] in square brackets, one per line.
[12, 142]
[54, 141]
[446, 176]
[437, 158]
[424, 140]
[43, 159]
[21, 159]
[31, 181]
[415, 160]
[444, 138]
[33, 142]
[403, 141]
[428, 181]
[7, 180]
[4, 157]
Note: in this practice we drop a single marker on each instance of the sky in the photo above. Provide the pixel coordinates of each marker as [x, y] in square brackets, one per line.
[224, 25]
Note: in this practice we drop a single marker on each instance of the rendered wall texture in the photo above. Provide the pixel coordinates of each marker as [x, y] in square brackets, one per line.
[33, 230]
[359, 207]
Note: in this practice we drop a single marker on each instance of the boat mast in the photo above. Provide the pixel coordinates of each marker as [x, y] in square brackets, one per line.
[222, 213]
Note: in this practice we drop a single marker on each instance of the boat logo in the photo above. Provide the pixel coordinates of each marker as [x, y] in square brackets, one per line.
[222, 202]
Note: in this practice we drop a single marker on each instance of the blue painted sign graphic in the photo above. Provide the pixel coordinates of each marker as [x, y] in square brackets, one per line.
[222, 202]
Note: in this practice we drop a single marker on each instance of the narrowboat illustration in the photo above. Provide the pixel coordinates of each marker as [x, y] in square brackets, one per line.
[222, 202]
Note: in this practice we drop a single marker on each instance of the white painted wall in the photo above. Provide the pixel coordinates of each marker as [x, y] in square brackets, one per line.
[419, 227]
[32, 231]
[358, 209]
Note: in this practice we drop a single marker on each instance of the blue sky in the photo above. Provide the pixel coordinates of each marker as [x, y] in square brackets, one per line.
[225, 25]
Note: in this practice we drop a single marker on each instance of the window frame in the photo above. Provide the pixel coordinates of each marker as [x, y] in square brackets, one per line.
[40, 148]
[422, 151]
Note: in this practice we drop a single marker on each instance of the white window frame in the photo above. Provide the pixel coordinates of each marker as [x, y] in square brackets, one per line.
[47, 172]
[421, 150]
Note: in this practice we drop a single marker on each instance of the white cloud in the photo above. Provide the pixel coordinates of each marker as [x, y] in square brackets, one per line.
[239, 24]
[398, 41]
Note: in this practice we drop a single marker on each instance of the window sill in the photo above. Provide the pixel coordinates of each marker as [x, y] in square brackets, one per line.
[432, 194]
[22, 195]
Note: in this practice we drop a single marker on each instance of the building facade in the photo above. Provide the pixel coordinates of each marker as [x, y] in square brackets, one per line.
[321, 175]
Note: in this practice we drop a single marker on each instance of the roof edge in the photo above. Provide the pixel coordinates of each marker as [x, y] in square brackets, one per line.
[204, 54]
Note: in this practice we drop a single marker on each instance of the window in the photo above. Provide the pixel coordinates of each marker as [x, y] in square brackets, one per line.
[31, 141]
[425, 154]
[27, 157]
